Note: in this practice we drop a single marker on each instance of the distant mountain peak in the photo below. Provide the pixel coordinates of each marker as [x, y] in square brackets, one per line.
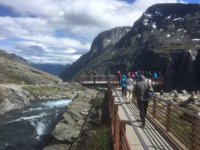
[54, 69]
[165, 38]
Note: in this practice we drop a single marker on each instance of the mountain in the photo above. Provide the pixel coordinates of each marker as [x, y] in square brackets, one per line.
[13, 57]
[165, 38]
[54, 69]
[15, 69]
[103, 42]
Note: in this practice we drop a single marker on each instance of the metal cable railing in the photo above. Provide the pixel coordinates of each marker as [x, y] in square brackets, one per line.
[118, 128]
[179, 124]
[133, 126]
[183, 124]
[129, 118]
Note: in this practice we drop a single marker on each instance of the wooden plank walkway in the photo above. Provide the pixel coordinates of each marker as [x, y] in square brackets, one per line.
[151, 136]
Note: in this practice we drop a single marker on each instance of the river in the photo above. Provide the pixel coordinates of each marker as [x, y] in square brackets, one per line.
[30, 128]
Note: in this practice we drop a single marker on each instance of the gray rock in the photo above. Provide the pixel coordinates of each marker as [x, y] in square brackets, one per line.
[68, 119]
[84, 112]
[161, 92]
[57, 147]
[173, 92]
[184, 92]
[80, 123]
[64, 132]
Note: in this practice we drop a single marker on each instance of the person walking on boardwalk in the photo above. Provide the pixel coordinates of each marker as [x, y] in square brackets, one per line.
[94, 73]
[141, 92]
[129, 88]
[123, 85]
[119, 76]
[155, 75]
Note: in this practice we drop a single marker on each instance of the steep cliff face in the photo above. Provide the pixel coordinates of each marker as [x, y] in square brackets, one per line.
[165, 38]
[102, 43]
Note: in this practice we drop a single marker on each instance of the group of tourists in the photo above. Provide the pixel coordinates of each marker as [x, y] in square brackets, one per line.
[135, 75]
[138, 85]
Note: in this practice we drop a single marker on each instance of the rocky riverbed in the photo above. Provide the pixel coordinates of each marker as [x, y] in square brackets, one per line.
[80, 115]
[13, 96]
[76, 119]
[188, 100]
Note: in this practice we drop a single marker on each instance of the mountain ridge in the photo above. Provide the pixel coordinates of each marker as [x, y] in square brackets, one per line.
[165, 38]
[53, 69]
[17, 70]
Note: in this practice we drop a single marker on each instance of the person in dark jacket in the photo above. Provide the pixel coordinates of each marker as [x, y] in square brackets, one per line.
[94, 74]
[140, 91]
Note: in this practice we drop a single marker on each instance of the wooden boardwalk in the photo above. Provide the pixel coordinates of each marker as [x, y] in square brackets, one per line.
[152, 138]
[168, 126]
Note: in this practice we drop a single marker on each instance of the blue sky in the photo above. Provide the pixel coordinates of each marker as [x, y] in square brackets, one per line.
[60, 31]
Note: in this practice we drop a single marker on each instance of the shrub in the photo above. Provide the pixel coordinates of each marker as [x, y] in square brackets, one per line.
[101, 139]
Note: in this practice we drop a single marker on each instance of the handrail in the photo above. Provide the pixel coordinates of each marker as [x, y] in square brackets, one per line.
[129, 118]
[133, 126]
[117, 127]
[176, 122]
[82, 79]
[184, 125]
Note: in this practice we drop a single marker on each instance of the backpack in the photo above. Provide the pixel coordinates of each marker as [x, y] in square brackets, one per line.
[150, 93]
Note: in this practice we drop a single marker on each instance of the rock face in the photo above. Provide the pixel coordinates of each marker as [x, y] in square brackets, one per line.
[100, 45]
[13, 97]
[68, 130]
[165, 38]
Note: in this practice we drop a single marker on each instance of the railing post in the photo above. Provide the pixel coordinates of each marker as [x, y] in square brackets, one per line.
[154, 108]
[113, 117]
[193, 134]
[168, 117]
[117, 128]
[122, 130]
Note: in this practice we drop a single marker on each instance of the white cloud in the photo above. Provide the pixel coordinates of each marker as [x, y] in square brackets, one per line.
[64, 28]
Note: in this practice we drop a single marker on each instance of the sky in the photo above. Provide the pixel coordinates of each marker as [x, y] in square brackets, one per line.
[60, 31]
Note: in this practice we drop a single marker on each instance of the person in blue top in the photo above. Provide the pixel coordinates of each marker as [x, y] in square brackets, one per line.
[155, 75]
[123, 85]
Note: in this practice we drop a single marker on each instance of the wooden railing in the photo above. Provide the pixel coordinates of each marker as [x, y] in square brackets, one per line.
[118, 128]
[179, 124]
[113, 78]
[158, 81]
[85, 79]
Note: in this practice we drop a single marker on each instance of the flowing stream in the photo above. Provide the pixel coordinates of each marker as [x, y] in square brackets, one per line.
[29, 129]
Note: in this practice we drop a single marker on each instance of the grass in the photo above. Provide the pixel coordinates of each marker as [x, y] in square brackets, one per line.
[45, 90]
[101, 139]
[97, 103]
[9, 76]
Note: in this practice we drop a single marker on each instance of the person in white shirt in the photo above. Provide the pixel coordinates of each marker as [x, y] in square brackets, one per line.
[129, 88]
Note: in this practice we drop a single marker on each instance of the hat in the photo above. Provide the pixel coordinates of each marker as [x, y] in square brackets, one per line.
[123, 76]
